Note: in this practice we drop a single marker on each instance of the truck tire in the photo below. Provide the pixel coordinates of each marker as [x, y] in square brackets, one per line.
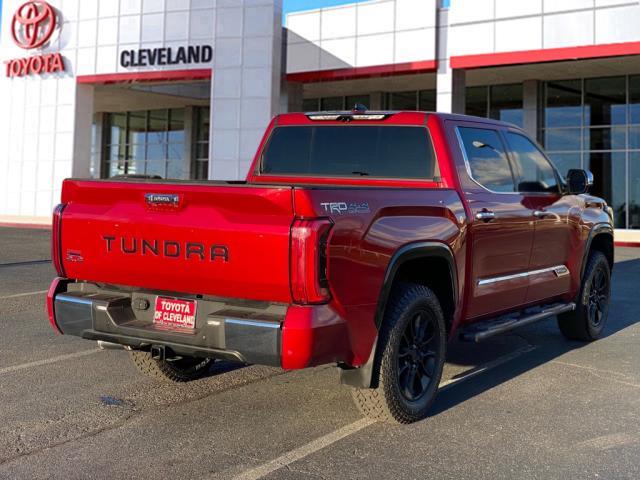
[587, 321]
[409, 359]
[185, 369]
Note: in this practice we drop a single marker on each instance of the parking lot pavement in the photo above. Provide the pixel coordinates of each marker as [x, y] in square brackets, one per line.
[528, 405]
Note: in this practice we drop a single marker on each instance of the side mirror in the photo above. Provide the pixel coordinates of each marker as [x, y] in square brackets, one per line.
[579, 181]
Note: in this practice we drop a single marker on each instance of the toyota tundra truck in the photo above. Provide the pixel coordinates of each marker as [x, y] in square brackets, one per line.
[363, 239]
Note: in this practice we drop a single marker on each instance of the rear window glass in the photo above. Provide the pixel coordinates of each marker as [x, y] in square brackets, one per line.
[353, 151]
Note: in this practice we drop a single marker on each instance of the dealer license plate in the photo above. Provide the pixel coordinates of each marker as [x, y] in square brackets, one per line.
[174, 313]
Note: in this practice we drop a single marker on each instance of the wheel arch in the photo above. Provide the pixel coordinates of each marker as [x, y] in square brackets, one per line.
[407, 264]
[600, 239]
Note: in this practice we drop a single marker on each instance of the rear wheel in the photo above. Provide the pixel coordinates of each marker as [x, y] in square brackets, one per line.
[410, 358]
[587, 321]
[184, 369]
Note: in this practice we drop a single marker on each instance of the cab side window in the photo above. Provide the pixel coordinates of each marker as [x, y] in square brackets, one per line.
[534, 173]
[487, 160]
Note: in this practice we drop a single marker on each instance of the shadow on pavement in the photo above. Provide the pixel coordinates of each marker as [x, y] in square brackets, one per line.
[545, 336]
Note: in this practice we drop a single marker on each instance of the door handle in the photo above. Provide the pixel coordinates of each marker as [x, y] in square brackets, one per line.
[541, 213]
[485, 216]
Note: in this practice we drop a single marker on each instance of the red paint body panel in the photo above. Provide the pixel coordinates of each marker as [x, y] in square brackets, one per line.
[248, 227]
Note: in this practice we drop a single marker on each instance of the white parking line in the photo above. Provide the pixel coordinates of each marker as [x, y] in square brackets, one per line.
[318, 444]
[48, 361]
[304, 451]
[28, 294]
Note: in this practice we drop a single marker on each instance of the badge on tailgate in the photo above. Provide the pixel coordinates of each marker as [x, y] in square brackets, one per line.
[162, 201]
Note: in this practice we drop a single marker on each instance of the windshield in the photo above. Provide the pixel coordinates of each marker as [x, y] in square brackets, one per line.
[350, 151]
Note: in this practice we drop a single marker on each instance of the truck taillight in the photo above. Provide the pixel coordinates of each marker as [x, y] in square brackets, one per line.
[56, 241]
[309, 244]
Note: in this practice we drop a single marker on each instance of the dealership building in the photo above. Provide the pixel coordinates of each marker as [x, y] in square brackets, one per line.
[184, 88]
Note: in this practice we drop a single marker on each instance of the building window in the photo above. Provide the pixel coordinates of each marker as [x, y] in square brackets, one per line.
[351, 101]
[150, 142]
[505, 103]
[335, 103]
[403, 100]
[427, 100]
[332, 103]
[477, 101]
[500, 102]
[595, 124]
[633, 189]
[311, 105]
[422, 100]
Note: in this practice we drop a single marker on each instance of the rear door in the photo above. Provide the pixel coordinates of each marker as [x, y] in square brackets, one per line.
[539, 183]
[501, 229]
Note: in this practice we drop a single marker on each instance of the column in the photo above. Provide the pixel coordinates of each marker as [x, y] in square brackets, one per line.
[246, 82]
[82, 131]
[451, 84]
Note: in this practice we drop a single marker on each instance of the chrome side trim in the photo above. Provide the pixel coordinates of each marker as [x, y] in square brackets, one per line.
[252, 323]
[559, 270]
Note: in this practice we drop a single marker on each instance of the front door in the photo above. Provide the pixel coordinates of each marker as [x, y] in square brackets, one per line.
[555, 219]
[502, 227]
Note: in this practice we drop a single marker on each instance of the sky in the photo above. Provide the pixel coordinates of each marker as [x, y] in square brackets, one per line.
[298, 5]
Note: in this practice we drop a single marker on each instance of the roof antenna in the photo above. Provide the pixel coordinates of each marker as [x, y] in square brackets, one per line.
[359, 107]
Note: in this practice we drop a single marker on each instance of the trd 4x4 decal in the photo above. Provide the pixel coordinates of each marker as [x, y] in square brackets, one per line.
[342, 208]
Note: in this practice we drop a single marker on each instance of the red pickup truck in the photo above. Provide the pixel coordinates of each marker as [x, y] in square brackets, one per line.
[362, 239]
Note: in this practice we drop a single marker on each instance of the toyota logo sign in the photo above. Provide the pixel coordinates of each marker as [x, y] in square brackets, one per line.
[33, 24]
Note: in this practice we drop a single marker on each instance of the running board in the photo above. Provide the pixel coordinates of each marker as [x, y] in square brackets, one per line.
[483, 330]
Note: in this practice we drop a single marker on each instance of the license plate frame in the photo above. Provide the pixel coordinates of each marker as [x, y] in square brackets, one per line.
[175, 313]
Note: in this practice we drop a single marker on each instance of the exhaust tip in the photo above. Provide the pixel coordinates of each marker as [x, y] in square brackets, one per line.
[102, 345]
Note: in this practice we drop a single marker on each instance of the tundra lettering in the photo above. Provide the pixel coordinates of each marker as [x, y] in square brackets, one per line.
[170, 248]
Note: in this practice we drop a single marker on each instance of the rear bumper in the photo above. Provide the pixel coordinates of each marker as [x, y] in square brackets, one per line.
[286, 336]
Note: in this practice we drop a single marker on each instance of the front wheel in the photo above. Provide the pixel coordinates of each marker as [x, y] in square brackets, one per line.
[410, 358]
[184, 369]
[587, 321]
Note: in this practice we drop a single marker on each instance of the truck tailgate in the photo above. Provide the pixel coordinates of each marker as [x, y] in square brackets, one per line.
[213, 239]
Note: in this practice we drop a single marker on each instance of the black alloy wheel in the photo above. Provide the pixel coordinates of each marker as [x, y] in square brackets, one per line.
[588, 320]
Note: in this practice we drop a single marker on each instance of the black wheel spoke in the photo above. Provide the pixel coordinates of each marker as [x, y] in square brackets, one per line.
[404, 352]
[592, 313]
[429, 333]
[426, 364]
[417, 325]
[417, 354]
